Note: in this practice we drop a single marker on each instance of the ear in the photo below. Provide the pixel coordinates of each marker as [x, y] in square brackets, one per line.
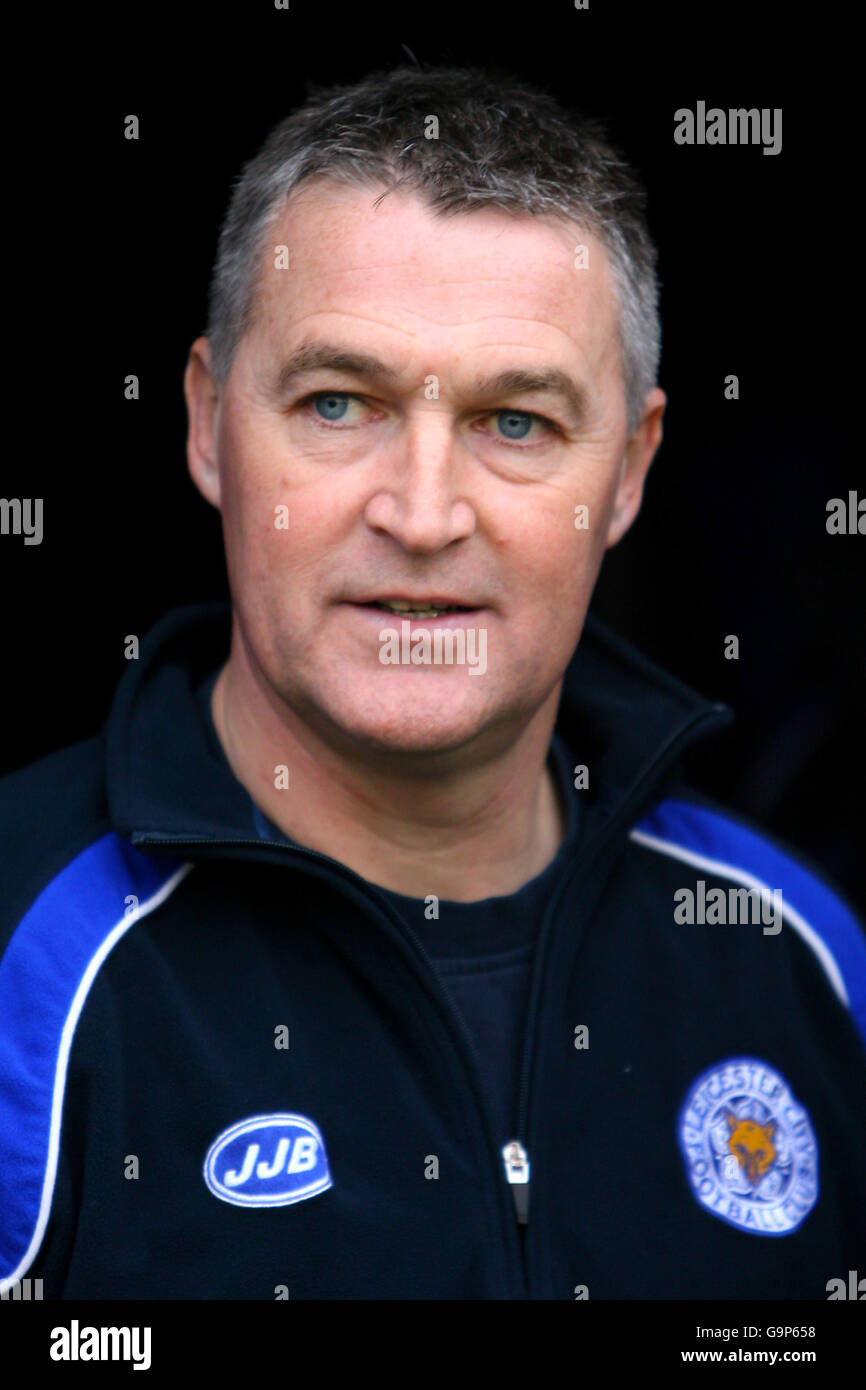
[202, 403]
[639, 452]
[732, 1121]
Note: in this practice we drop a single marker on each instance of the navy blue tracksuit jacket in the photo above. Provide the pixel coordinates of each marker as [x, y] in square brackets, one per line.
[230, 1068]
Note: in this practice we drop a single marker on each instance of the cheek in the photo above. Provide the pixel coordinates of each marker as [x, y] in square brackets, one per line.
[259, 519]
[280, 543]
[555, 565]
[563, 552]
[246, 480]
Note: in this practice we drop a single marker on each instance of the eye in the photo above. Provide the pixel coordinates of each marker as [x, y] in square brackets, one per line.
[331, 407]
[334, 407]
[514, 426]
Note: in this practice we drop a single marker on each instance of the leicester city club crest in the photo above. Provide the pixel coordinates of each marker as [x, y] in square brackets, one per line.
[750, 1151]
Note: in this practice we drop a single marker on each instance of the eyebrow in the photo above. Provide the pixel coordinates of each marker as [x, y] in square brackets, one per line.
[310, 357]
[551, 381]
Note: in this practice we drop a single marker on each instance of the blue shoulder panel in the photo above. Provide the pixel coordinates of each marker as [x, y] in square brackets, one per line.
[46, 972]
[711, 840]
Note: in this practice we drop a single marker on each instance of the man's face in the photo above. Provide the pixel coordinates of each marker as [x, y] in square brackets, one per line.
[422, 478]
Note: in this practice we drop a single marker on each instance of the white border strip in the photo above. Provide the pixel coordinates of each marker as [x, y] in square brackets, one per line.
[93, 968]
[716, 866]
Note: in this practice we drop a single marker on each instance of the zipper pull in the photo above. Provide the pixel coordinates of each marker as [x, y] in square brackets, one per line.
[517, 1172]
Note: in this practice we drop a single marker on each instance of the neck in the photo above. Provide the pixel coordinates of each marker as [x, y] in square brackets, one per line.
[466, 830]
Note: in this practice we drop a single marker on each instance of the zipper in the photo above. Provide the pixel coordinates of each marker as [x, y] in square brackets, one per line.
[515, 1154]
[516, 1161]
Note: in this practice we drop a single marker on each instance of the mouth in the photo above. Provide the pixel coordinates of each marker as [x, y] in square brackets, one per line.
[419, 608]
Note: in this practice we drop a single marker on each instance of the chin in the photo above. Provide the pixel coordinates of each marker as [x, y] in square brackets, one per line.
[409, 717]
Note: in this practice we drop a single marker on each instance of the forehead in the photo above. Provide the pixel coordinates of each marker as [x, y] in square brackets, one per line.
[484, 278]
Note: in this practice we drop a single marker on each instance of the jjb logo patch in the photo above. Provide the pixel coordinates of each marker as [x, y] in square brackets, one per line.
[749, 1148]
[268, 1161]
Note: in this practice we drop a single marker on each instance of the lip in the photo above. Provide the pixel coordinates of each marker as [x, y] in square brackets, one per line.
[420, 601]
[468, 618]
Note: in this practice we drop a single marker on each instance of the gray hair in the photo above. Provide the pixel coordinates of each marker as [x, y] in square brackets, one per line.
[503, 144]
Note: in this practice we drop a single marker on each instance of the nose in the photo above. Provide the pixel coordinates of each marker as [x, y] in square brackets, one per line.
[417, 498]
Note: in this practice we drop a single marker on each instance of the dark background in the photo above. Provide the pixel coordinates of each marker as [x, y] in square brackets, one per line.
[112, 243]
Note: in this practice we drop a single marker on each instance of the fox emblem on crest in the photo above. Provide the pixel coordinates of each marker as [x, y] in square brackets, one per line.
[752, 1146]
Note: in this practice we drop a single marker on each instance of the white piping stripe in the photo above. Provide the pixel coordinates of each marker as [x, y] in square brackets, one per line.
[69, 1027]
[716, 866]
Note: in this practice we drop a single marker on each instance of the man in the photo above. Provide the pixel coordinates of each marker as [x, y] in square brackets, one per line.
[375, 907]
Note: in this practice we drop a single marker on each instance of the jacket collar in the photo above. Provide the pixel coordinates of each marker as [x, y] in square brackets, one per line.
[620, 714]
